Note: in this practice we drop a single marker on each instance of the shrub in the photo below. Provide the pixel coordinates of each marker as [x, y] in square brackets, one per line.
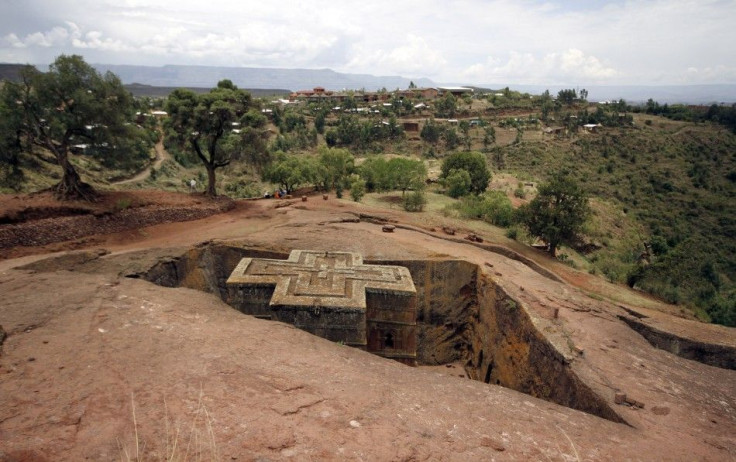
[492, 207]
[458, 183]
[474, 163]
[122, 204]
[357, 189]
[414, 201]
[497, 209]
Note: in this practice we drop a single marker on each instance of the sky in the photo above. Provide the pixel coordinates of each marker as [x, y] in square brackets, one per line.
[534, 42]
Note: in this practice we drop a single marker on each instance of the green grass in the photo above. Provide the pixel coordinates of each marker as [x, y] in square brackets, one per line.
[666, 184]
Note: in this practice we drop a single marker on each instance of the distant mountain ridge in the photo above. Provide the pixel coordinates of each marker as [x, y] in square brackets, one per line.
[10, 72]
[250, 77]
[139, 90]
[283, 80]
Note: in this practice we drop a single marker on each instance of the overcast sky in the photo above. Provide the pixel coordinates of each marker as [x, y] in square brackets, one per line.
[646, 42]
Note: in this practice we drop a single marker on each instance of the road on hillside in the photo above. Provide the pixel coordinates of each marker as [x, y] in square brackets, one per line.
[161, 156]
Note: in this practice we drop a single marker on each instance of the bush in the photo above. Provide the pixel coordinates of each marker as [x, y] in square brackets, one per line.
[492, 207]
[472, 162]
[241, 189]
[458, 183]
[414, 201]
[357, 189]
[497, 209]
[122, 204]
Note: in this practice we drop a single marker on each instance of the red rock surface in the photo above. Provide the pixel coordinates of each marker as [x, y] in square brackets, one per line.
[95, 361]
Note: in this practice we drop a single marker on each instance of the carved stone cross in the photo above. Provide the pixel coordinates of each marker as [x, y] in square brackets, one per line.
[333, 295]
[309, 278]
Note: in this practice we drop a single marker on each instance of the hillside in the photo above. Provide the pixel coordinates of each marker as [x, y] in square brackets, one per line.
[676, 180]
[672, 94]
[10, 72]
[663, 190]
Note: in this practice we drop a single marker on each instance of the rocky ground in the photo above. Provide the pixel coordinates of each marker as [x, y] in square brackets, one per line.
[98, 366]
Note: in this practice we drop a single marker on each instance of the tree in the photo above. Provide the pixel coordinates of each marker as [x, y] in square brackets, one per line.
[357, 188]
[377, 174]
[472, 162]
[547, 105]
[447, 105]
[468, 100]
[519, 134]
[337, 166]
[289, 172]
[567, 96]
[407, 173]
[249, 145]
[465, 129]
[458, 183]
[489, 137]
[431, 132]
[451, 138]
[558, 212]
[204, 121]
[319, 121]
[414, 201]
[11, 146]
[71, 104]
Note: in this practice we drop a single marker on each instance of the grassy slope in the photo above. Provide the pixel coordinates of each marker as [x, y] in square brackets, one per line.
[670, 180]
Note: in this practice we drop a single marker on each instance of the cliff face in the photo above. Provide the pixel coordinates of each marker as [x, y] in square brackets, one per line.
[462, 316]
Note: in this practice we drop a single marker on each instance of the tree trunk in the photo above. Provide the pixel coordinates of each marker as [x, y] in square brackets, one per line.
[71, 185]
[211, 180]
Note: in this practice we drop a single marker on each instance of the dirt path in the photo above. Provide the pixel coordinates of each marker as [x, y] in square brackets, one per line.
[161, 156]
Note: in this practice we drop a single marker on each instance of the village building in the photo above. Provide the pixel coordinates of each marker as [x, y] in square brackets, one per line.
[410, 126]
[456, 91]
[320, 94]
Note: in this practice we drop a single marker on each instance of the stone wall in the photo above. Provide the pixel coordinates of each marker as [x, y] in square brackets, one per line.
[446, 307]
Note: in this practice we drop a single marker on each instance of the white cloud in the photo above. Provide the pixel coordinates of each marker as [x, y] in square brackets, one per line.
[13, 41]
[539, 41]
[574, 62]
[54, 37]
[715, 74]
[558, 67]
[413, 57]
[95, 40]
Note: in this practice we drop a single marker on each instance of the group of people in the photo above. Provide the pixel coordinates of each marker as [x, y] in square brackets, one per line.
[279, 193]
